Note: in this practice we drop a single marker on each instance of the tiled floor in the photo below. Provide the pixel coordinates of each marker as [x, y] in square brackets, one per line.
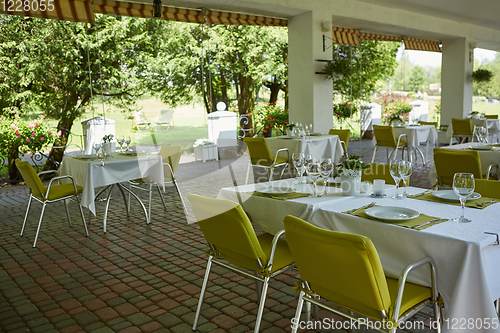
[136, 277]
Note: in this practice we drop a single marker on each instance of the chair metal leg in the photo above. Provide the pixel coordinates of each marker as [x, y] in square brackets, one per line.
[261, 304]
[67, 212]
[248, 172]
[148, 220]
[202, 292]
[39, 224]
[421, 155]
[83, 218]
[161, 196]
[180, 196]
[271, 173]
[296, 319]
[26, 215]
[374, 152]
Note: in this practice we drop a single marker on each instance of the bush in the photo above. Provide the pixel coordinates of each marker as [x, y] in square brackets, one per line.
[271, 116]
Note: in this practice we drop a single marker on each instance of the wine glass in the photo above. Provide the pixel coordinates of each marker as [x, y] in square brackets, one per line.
[325, 169]
[128, 140]
[298, 161]
[96, 146]
[121, 140]
[394, 170]
[313, 171]
[463, 185]
[405, 171]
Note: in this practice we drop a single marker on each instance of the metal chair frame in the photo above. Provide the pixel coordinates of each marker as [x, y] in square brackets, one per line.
[46, 201]
[393, 149]
[263, 278]
[271, 167]
[438, 315]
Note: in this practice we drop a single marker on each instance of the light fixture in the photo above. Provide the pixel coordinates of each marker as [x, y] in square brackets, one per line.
[157, 8]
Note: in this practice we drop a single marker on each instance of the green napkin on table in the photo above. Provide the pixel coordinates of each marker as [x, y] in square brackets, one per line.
[288, 196]
[480, 203]
[416, 223]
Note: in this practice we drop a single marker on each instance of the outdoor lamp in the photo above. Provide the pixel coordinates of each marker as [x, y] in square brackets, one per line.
[157, 8]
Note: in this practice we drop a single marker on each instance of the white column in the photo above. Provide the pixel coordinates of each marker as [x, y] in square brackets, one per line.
[310, 95]
[456, 80]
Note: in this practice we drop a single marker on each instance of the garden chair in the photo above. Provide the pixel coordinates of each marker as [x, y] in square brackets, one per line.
[166, 119]
[462, 128]
[260, 156]
[384, 135]
[48, 194]
[139, 121]
[343, 135]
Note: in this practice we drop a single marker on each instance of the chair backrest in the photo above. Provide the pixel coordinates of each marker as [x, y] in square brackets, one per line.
[384, 136]
[140, 117]
[31, 178]
[342, 268]
[258, 149]
[488, 188]
[166, 116]
[491, 116]
[172, 156]
[461, 126]
[343, 134]
[227, 228]
[448, 162]
[377, 171]
[433, 123]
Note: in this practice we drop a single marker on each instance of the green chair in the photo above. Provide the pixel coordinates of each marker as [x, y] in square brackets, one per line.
[260, 156]
[345, 269]
[384, 135]
[488, 188]
[433, 123]
[53, 192]
[462, 128]
[171, 156]
[233, 244]
[448, 162]
[343, 135]
[491, 116]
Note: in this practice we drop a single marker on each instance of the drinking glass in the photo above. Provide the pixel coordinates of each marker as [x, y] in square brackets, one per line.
[121, 140]
[313, 171]
[96, 146]
[325, 170]
[394, 170]
[128, 140]
[405, 171]
[298, 161]
[463, 185]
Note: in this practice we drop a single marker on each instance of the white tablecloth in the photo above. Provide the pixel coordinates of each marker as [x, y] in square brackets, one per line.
[93, 174]
[487, 157]
[418, 134]
[468, 262]
[492, 125]
[317, 146]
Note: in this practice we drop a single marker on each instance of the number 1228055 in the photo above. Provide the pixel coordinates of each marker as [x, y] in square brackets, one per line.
[27, 5]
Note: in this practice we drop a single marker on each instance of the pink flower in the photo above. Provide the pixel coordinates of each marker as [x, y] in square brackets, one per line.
[49, 133]
[42, 138]
[43, 116]
[59, 133]
[33, 134]
[28, 140]
[14, 127]
[18, 135]
[30, 126]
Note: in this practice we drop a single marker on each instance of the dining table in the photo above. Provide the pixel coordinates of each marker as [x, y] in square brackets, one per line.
[92, 172]
[327, 146]
[489, 155]
[467, 255]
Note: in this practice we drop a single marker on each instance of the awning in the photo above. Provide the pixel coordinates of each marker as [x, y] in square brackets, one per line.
[421, 44]
[68, 10]
[83, 11]
[343, 36]
[377, 37]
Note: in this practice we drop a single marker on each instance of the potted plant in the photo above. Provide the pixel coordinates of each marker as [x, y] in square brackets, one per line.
[343, 111]
[396, 111]
[272, 117]
[205, 150]
[349, 172]
[482, 75]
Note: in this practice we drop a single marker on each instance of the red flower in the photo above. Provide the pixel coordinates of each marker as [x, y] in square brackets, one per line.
[265, 131]
[286, 122]
[267, 127]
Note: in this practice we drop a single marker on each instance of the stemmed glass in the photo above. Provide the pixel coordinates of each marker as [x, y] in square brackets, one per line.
[405, 171]
[325, 170]
[121, 140]
[313, 170]
[96, 146]
[298, 161]
[394, 170]
[463, 185]
[128, 140]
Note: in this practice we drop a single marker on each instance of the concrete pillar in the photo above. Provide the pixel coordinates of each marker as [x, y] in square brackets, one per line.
[456, 80]
[310, 95]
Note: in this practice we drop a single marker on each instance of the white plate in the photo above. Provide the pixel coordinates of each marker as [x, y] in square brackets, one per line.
[275, 190]
[392, 213]
[452, 196]
[481, 147]
[86, 157]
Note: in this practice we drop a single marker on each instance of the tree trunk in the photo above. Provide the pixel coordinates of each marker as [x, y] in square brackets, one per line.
[245, 100]
[56, 154]
[223, 89]
[275, 88]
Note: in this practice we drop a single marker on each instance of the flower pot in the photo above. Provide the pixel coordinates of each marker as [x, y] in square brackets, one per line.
[206, 153]
[106, 149]
[351, 185]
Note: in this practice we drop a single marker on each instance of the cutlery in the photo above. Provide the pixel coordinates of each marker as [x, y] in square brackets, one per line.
[293, 197]
[364, 207]
[484, 203]
[420, 194]
[428, 222]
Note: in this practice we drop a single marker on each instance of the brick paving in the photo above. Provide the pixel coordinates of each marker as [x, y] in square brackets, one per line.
[136, 277]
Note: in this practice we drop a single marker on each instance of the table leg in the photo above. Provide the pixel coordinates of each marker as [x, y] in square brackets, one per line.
[127, 208]
[137, 198]
[107, 207]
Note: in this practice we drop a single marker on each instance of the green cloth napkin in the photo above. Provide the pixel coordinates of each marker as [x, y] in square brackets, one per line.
[84, 159]
[285, 138]
[412, 224]
[480, 203]
[288, 196]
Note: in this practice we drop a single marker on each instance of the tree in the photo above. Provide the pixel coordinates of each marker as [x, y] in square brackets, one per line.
[356, 70]
[417, 79]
